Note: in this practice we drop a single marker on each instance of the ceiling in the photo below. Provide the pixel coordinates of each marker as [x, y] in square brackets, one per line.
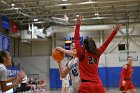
[93, 11]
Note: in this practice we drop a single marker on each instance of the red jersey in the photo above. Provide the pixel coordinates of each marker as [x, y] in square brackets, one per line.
[127, 72]
[88, 63]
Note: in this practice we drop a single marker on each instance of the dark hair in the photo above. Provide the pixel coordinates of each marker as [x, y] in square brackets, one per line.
[69, 61]
[90, 46]
[129, 57]
[71, 44]
[2, 55]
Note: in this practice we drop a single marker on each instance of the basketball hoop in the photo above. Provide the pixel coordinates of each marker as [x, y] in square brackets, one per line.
[123, 55]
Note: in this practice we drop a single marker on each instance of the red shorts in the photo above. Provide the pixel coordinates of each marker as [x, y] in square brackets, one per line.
[91, 87]
[128, 86]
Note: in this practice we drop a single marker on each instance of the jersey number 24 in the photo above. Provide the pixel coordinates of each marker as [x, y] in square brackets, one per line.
[91, 60]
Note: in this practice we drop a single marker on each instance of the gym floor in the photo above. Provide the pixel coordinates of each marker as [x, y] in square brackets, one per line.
[110, 90]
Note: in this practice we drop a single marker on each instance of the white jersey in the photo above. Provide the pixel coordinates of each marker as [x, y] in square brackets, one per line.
[3, 73]
[75, 75]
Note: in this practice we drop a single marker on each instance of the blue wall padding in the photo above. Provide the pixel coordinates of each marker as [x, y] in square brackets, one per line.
[110, 77]
[55, 81]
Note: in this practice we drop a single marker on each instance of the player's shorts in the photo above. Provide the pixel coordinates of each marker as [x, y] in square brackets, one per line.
[74, 88]
[65, 84]
[91, 87]
[128, 86]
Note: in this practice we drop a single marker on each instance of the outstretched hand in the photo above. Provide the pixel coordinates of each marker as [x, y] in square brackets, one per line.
[123, 83]
[18, 79]
[79, 19]
[20, 76]
[60, 49]
[117, 27]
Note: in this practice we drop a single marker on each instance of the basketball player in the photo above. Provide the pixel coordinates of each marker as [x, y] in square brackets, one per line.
[71, 67]
[89, 56]
[5, 60]
[126, 74]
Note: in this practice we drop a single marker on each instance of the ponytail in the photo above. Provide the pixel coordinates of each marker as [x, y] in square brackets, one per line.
[2, 55]
[90, 46]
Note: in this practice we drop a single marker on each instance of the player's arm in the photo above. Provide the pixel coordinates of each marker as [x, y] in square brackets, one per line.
[5, 87]
[110, 38]
[68, 52]
[63, 72]
[79, 49]
[11, 79]
[123, 74]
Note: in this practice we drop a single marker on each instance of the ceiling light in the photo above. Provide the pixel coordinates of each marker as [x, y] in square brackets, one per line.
[96, 14]
[77, 15]
[12, 5]
[102, 18]
[63, 4]
[35, 20]
[39, 22]
[90, 2]
[95, 18]
[64, 0]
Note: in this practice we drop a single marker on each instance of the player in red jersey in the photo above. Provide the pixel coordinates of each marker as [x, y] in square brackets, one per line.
[89, 56]
[126, 74]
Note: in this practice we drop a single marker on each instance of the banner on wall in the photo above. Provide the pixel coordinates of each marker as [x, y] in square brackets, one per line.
[4, 43]
[5, 22]
[12, 71]
[14, 26]
[0, 42]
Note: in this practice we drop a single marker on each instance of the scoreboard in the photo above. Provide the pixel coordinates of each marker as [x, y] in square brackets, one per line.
[70, 40]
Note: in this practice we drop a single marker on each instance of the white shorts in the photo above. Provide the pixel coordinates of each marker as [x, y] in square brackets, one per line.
[65, 84]
[74, 88]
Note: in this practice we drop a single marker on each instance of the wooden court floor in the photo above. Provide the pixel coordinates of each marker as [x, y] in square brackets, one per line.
[108, 90]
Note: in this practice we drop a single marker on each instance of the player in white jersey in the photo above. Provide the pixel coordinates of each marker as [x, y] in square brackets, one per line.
[71, 67]
[5, 60]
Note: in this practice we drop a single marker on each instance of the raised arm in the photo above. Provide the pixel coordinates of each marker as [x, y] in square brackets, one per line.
[79, 49]
[110, 38]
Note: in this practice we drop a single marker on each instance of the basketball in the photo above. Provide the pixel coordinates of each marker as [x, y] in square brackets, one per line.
[57, 55]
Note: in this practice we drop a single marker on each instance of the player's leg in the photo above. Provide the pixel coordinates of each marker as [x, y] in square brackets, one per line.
[63, 90]
[63, 87]
[67, 87]
[125, 87]
[71, 90]
[132, 90]
[99, 88]
[87, 87]
[131, 87]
